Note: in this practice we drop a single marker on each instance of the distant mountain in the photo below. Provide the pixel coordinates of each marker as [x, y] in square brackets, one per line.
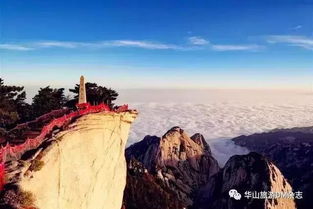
[181, 163]
[292, 151]
[180, 172]
[245, 174]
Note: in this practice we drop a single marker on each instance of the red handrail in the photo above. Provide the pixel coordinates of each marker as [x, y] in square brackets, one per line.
[15, 151]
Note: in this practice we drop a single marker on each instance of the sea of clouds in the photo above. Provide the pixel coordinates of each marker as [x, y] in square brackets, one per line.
[217, 114]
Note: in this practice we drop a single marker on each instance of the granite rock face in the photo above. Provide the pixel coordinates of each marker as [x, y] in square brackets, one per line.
[245, 173]
[292, 152]
[181, 163]
[82, 167]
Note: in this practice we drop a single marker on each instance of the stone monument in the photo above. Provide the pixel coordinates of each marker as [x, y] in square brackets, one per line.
[82, 99]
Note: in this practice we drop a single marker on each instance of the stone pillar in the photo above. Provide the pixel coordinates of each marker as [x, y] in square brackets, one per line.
[82, 91]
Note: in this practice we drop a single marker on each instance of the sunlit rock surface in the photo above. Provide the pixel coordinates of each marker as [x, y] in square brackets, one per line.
[179, 162]
[246, 173]
[83, 166]
[291, 151]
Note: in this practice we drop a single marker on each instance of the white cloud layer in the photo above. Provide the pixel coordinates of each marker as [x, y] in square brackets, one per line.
[300, 41]
[220, 115]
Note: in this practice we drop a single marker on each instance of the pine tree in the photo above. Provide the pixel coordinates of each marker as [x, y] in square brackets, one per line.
[12, 105]
[48, 99]
[95, 95]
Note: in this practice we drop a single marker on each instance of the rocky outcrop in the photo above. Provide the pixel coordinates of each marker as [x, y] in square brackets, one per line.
[82, 167]
[246, 174]
[199, 139]
[291, 150]
[181, 163]
[178, 164]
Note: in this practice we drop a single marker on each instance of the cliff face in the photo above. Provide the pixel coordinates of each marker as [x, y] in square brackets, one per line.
[246, 173]
[143, 190]
[291, 150]
[82, 167]
[179, 162]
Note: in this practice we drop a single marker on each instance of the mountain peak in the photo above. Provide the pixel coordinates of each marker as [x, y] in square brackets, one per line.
[182, 163]
[173, 130]
[199, 139]
[245, 173]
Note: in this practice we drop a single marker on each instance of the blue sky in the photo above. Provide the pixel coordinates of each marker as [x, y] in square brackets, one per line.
[158, 44]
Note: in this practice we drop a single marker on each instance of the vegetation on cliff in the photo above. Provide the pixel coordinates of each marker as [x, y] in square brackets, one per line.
[95, 95]
[83, 162]
[15, 110]
[12, 105]
[144, 190]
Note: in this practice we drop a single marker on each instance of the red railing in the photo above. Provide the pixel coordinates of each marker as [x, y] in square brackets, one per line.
[9, 152]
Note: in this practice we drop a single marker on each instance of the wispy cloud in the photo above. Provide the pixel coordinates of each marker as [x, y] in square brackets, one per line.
[104, 44]
[141, 44]
[61, 44]
[14, 47]
[197, 43]
[297, 27]
[95, 45]
[300, 41]
[251, 47]
[196, 40]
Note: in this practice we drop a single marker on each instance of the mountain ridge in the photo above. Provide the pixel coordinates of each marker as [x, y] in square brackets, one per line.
[163, 157]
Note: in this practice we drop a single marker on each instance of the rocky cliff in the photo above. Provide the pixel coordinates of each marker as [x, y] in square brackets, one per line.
[81, 167]
[254, 177]
[291, 150]
[181, 163]
[144, 190]
[178, 167]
